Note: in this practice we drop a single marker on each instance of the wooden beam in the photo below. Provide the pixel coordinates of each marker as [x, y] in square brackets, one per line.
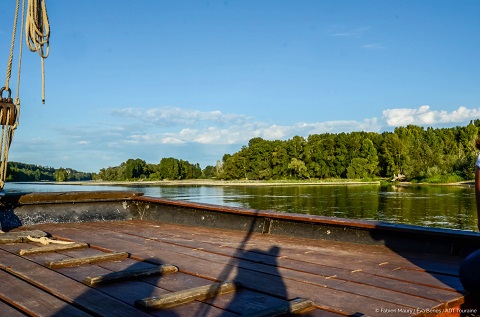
[52, 248]
[296, 306]
[127, 274]
[86, 260]
[186, 296]
[20, 236]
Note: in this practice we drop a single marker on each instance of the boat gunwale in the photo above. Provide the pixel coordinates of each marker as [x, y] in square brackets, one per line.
[315, 219]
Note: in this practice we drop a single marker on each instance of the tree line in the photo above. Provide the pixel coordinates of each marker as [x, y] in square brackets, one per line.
[134, 169]
[410, 153]
[21, 172]
[415, 153]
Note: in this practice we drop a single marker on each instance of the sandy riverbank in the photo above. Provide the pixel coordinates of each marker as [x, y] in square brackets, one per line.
[208, 182]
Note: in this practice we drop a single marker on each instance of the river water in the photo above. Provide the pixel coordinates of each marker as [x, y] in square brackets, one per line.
[432, 206]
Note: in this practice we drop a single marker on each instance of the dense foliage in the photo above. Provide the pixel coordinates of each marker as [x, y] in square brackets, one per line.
[168, 168]
[21, 172]
[416, 153]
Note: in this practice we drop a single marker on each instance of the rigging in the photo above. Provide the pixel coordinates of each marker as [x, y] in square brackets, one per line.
[37, 35]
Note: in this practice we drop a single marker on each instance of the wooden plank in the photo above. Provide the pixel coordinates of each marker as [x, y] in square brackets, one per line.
[52, 248]
[327, 270]
[131, 273]
[87, 260]
[9, 311]
[361, 253]
[186, 296]
[296, 306]
[348, 252]
[32, 300]
[63, 287]
[325, 298]
[20, 236]
[329, 263]
[129, 291]
[240, 302]
[75, 197]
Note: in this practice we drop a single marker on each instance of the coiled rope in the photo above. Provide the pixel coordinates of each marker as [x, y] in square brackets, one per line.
[37, 32]
[7, 129]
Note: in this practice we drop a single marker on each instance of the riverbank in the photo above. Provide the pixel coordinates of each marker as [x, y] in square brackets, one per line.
[211, 182]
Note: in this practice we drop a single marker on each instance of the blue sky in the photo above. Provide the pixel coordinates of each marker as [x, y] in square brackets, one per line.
[197, 79]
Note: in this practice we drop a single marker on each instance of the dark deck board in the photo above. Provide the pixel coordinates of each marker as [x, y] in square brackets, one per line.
[337, 300]
[211, 254]
[355, 253]
[308, 267]
[7, 310]
[129, 291]
[32, 300]
[300, 259]
[325, 265]
[64, 288]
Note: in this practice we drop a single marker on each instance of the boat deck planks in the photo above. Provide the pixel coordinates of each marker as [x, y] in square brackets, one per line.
[341, 278]
[7, 310]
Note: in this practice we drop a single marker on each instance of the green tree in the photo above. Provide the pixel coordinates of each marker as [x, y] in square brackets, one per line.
[358, 168]
[260, 159]
[279, 160]
[298, 168]
[133, 169]
[61, 175]
[169, 168]
[209, 172]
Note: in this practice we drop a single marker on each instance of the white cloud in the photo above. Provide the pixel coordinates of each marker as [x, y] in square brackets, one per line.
[374, 46]
[168, 116]
[217, 128]
[198, 136]
[343, 31]
[423, 116]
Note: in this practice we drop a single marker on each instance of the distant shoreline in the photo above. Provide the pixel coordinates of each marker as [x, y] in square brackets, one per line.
[206, 182]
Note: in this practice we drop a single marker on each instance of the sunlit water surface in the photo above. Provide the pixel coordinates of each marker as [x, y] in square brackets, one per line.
[432, 206]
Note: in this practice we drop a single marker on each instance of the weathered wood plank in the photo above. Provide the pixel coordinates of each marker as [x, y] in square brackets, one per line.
[327, 263]
[86, 260]
[357, 252]
[321, 274]
[52, 248]
[129, 291]
[63, 287]
[131, 273]
[186, 296]
[75, 197]
[20, 236]
[325, 298]
[32, 300]
[9, 311]
[296, 306]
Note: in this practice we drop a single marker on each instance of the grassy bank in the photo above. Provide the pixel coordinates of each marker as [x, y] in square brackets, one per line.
[211, 182]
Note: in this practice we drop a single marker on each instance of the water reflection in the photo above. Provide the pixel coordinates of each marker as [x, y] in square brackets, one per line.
[433, 206]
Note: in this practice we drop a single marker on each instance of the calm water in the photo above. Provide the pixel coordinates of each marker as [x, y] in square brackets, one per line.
[431, 206]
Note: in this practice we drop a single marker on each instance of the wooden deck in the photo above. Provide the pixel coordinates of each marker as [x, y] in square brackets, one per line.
[341, 278]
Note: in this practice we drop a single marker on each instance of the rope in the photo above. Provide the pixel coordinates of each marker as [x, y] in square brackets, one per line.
[46, 241]
[37, 32]
[12, 47]
[17, 95]
[7, 129]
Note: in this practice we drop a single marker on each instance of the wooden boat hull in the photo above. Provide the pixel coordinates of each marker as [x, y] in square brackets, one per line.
[343, 266]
